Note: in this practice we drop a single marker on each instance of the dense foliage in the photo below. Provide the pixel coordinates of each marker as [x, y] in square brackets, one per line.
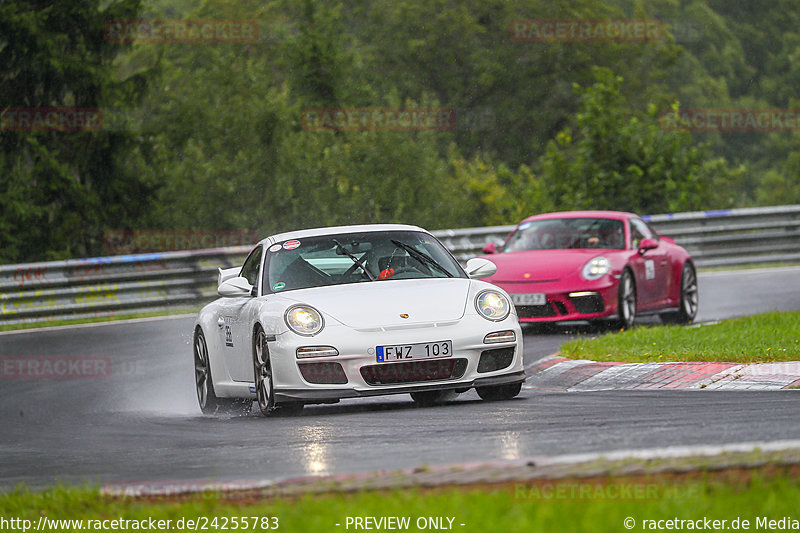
[214, 136]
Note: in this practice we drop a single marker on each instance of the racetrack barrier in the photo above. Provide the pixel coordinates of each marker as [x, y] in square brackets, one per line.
[113, 285]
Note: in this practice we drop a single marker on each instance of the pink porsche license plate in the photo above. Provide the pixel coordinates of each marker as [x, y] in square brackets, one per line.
[531, 298]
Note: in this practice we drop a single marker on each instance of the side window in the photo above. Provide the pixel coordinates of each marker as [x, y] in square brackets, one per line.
[251, 267]
[639, 231]
[652, 231]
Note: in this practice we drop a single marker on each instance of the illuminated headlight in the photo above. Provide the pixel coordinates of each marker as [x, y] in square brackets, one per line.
[596, 268]
[304, 320]
[500, 336]
[492, 305]
[316, 351]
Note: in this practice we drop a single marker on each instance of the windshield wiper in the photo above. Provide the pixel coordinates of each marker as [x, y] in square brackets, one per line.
[425, 258]
[355, 259]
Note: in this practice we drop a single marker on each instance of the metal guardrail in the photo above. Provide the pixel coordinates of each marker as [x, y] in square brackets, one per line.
[106, 286]
[731, 237]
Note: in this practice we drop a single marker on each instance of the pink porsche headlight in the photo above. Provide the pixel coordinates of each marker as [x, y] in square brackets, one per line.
[596, 268]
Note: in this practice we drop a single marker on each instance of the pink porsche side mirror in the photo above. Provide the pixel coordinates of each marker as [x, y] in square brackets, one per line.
[647, 244]
[490, 248]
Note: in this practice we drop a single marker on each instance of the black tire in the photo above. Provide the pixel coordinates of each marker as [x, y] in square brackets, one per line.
[262, 376]
[207, 398]
[499, 392]
[690, 298]
[626, 301]
[433, 397]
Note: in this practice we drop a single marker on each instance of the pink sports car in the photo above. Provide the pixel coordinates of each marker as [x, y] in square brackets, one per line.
[594, 265]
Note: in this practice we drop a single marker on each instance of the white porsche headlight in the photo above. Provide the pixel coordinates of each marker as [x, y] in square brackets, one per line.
[304, 320]
[492, 305]
[596, 268]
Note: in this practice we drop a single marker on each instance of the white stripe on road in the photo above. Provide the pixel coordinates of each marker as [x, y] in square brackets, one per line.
[750, 271]
[98, 324]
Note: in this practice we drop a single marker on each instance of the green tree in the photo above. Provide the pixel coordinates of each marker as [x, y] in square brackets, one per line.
[613, 157]
[463, 55]
[493, 194]
[60, 188]
[220, 142]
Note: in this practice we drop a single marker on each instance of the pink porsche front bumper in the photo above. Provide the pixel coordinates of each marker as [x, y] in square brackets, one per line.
[595, 300]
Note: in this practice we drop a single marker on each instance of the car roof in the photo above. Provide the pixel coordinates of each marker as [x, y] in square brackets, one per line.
[613, 215]
[334, 230]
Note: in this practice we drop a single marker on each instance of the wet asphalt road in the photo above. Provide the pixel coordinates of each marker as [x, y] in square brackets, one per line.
[141, 423]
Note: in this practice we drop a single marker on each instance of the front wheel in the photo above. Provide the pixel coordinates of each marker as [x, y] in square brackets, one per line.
[499, 392]
[689, 299]
[626, 301]
[262, 371]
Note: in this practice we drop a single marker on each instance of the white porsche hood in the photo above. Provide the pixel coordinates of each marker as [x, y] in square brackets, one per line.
[381, 303]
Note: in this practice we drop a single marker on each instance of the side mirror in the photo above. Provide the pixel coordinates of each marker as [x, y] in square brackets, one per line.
[647, 244]
[235, 287]
[478, 267]
[227, 273]
[490, 248]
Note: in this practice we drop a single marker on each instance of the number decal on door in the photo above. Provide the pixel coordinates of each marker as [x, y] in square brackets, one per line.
[649, 269]
[228, 331]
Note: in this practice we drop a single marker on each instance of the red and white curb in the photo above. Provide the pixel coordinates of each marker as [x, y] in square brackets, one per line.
[560, 373]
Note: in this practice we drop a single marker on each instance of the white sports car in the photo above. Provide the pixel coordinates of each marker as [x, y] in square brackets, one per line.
[317, 315]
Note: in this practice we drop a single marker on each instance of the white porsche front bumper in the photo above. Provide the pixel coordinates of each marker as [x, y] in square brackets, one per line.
[356, 371]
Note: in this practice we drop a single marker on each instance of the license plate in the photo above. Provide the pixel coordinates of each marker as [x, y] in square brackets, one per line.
[405, 352]
[530, 298]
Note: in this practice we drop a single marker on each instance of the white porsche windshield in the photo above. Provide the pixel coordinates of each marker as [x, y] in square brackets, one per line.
[565, 233]
[356, 257]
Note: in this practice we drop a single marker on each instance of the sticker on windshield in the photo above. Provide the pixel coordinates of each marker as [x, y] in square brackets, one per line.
[524, 225]
[278, 286]
[291, 245]
[275, 247]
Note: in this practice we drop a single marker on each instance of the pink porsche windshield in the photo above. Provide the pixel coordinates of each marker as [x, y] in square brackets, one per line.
[567, 233]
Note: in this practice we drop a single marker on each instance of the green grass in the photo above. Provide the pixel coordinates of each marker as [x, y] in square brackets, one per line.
[555, 506]
[758, 338]
[92, 320]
